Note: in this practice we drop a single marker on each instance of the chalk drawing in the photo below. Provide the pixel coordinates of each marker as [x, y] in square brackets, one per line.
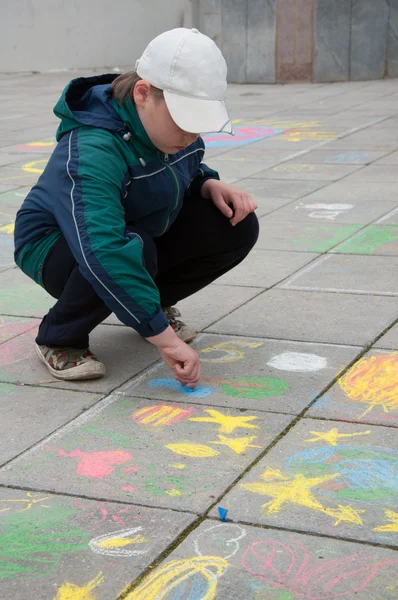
[189, 578]
[35, 146]
[35, 545]
[173, 384]
[27, 502]
[373, 381]
[253, 387]
[120, 543]
[243, 136]
[70, 591]
[161, 415]
[366, 474]
[353, 158]
[227, 423]
[372, 239]
[8, 229]
[224, 538]
[229, 351]
[297, 490]
[292, 568]
[332, 436]
[107, 512]
[97, 465]
[298, 362]
[293, 168]
[238, 445]
[321, 210]
[390, 527]
[193, 450]
[36, 166]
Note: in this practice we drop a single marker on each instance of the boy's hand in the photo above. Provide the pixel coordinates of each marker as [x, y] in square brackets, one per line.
[177, 355]
[224, 195]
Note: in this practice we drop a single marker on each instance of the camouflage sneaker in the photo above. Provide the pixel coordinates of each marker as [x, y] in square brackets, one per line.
[70, 363]
[183, 331]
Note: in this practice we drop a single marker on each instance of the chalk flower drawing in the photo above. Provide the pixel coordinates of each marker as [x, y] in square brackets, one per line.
[292, 568]
[373, 380]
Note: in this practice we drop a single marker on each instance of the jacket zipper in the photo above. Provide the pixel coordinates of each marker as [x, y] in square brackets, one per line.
[166, 158]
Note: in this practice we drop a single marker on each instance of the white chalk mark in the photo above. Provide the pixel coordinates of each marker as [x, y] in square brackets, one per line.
[217, 544]
[114, 544]
[298, 362]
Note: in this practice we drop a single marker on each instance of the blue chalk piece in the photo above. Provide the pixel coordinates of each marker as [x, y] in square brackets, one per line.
[223, 514]
[173, 384]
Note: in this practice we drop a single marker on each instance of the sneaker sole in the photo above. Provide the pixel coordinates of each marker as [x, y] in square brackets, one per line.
[76, 373]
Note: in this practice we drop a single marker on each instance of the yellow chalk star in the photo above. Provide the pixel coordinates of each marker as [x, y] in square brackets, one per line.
[227, 423]
[332, 436]
[390, 527]
[295, 490]
[8, 228]
[70, 591]
[345, 513]
[238, 445]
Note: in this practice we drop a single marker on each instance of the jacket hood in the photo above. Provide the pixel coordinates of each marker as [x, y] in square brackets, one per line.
[88, 101]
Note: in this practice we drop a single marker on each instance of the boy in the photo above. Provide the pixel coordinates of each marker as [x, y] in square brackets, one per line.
[125, 218]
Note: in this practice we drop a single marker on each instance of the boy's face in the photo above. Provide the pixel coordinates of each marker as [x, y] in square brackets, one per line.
[163, 132]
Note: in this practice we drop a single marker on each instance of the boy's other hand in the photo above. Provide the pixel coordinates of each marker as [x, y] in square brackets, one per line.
[233, 203]
[180, 357]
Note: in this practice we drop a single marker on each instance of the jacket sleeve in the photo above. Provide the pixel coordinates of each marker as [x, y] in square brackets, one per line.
[91, 217]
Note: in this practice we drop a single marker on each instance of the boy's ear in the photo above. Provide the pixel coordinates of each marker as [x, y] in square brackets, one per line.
[142, 91]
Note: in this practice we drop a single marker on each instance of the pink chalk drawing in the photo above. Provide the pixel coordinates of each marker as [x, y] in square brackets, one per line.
[98, 465]
[127, 488]
[288, 568]
[103, 510]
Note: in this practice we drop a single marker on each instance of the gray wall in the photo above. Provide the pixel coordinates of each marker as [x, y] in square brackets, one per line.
[40, 35]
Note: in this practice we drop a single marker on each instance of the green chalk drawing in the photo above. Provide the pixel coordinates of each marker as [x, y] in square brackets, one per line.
[326, 236]
[370, 240]
[255, 388]
[33, 543]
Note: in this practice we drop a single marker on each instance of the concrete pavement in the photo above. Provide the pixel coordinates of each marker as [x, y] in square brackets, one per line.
[111, 489]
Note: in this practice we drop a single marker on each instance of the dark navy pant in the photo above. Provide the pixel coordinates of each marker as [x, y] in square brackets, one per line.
[199, 247]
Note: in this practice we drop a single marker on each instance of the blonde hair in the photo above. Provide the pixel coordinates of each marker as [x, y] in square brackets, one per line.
[123, 86]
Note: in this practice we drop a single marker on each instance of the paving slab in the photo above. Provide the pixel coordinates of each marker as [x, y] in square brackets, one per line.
[233, 170]
[22, 409]
[390, 218]
[11, 327]
[339, 481]
[361, 191]
[391, 159]
[334, 157]
[311, 317]
[16, 289]
[279, 188]
[122, 350]
[265, 268]
[16, 174]
[301, 170]
[235, 561]
[374, 239]
[250, 373]
[302, 237]
[375, 173]
[356, 212]
[210, 304]
[7, 247]
[69, 548]
[389, 340]
[348, 274]
[367, 392]
[195, 452]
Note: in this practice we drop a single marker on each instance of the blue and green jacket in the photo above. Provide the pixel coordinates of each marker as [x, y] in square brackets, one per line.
[105, 172]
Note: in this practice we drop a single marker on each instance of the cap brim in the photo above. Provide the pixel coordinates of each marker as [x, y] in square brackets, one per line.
[197, 115]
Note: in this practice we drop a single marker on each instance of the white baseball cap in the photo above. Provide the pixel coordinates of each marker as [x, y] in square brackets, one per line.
[190, 69]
